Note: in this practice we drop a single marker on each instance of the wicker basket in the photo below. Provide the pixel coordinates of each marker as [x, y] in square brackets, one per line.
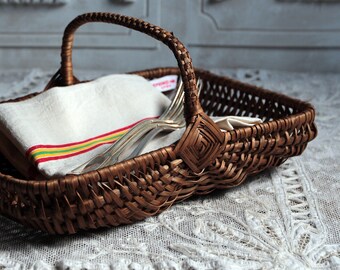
[203, 160]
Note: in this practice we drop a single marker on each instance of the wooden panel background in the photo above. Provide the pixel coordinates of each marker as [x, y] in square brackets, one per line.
[271, 34]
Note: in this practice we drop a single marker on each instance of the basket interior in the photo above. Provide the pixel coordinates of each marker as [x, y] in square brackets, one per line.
[233, 98]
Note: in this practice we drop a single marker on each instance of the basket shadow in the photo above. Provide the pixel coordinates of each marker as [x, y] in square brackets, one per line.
[15, 234]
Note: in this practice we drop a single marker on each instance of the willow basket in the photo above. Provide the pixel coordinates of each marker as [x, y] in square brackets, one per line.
[203, 160]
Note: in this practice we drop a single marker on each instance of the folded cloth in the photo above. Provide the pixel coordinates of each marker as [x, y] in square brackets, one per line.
[65, 126]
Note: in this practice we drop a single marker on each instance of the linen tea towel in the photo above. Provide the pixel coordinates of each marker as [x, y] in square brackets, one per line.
[65, 126]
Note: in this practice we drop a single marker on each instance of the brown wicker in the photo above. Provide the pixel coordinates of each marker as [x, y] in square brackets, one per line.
[204, 159]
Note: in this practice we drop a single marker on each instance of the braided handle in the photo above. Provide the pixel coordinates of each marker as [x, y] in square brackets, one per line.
[192, 106]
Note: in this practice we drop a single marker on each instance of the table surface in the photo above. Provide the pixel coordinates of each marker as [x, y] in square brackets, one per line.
[284, 218]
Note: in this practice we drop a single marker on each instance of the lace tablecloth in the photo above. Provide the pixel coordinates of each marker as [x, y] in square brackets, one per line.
[283, 218]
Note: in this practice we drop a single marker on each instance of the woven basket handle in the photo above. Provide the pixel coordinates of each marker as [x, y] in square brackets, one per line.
[202, 140]
[192, 105]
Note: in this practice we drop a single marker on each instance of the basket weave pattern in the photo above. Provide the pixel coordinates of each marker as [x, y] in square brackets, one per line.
[132, 190]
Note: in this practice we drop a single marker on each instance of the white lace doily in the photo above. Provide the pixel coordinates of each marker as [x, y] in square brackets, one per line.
[284, 218]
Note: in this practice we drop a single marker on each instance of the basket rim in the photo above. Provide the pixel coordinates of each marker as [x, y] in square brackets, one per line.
[306, 115]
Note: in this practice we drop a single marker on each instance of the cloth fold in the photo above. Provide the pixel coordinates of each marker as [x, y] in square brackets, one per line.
[56, 131]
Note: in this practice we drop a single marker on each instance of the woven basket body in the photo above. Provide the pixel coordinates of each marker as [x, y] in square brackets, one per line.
[205, 158]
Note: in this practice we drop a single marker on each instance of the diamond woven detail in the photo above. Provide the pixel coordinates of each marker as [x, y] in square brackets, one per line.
[201, 143]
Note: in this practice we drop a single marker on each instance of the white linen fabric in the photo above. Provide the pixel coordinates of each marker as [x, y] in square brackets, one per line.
[284, 218]
[79, 120]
